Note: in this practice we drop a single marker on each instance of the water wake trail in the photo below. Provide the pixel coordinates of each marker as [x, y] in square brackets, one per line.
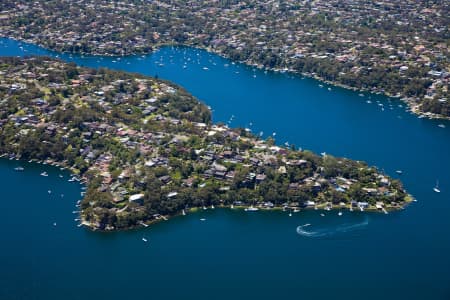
[331, 231]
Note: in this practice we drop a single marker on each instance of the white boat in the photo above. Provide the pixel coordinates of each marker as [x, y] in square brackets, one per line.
[79, 225]
[19, 168]
[436, 188]
[340, 213]
[212, 207]
[290, 214]
[144, 239]
[183, 213]
[143, 224]
[399, 172]
[205, 68]
[54, 224]
[202, 219]
[251, 208]
[49, 191]
[44, 174]
[441, 125]
[322, 215]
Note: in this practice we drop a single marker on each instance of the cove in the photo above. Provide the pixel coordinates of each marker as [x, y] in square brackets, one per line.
[233, 253]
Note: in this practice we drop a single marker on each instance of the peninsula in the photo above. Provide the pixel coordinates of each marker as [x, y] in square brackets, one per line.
[147, 150]
[399, 48]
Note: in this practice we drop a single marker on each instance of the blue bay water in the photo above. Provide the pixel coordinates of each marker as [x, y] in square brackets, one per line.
[403, 255]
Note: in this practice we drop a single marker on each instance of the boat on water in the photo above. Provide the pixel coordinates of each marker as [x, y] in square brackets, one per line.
[340, 213]
[44, 174]
[251, 208]
[144, 239]
[290, 214]
[143, 224]
[202, 219]
[19, 168]
[322, 215]
[436, 188]
[399, 172]
[441, 125]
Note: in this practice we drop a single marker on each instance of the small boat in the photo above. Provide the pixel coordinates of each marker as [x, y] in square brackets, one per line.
[143, 224]
[204, 208]
[436, 188]
[60, 176]
[290, 214]
[441, 125]
[44, 174]
[79, 225]
[49, 191]
[322, 215]
[144, 239]
[400, 172]
[212, 207]
[340, 213]
[202, 219]
[205, 68]
[19, 168]
[251, 208]
[54, 224]
[183, 213]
